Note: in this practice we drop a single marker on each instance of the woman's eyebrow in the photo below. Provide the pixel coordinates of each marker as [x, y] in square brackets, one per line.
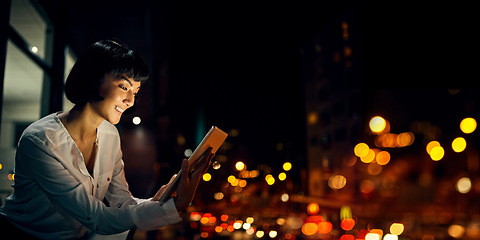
[126, 79]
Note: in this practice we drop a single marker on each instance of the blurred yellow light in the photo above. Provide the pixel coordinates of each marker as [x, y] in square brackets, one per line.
[235, 182]
[207, 177]
[437, 153]
[270, 179]
[369, 157]
[396, 228]
[431, 145]
[287, 166]
[249, 220]
[240, 166]
[272, 234]
[459, 144]
[361, 149]
[464, 185]
[377, 124]
[231, 178]
[260, 234]
[468, 125]
[282, 176]
[313, 208]
[383, 157]
[1, 166]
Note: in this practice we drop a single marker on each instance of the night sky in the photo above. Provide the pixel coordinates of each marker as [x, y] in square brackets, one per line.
[239, 64]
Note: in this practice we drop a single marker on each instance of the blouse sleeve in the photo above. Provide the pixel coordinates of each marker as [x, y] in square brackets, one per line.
[68, 193]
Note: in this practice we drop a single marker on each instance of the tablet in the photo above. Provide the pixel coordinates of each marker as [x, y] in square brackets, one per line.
[214, 139]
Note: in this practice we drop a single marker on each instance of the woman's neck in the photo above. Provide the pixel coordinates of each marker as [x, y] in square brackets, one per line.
[80, 122]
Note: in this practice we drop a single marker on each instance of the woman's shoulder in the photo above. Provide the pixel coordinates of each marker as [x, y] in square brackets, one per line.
[47, 129]
[42, 126]
[107, 128]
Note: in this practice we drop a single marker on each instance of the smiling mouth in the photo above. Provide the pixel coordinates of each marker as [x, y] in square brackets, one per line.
[121, 110]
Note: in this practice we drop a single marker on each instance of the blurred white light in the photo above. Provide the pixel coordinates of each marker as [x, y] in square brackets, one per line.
[188, 152]
[136, 120]
[464, 185]
[285, 197]
[272, 234]
[34, 49]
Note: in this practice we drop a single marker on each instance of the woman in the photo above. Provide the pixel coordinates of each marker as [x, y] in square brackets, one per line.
[69, 177]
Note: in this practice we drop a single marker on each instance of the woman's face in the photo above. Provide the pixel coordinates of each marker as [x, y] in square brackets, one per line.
[119, 93]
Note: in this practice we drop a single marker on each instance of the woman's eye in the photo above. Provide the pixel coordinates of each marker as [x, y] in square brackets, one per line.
[122, 87]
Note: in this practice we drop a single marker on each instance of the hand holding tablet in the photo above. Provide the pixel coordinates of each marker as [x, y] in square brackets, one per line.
[202, 154]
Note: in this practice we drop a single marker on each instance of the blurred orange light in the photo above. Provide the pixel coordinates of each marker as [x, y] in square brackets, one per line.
[347, 237]
[204, 220]
[374, 169]
[377, 231]
[383, 157]
[405, 139]
[309, 228]
[369, 157]
[325, 227]
[218, 229]
[431, 145]
[468, 125]
[459, 144]
[313, 208]
[347, 224]
[314, 219]
[456, 231]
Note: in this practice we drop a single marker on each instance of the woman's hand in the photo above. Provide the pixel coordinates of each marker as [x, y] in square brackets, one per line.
[162, 189]
[189, 181]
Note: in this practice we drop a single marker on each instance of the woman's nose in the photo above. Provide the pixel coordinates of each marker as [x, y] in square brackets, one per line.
[129, 99]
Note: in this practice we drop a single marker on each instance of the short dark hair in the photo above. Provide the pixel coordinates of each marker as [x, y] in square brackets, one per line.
[103, 57]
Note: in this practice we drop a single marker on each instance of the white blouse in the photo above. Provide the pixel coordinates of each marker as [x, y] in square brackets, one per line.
[56, 198]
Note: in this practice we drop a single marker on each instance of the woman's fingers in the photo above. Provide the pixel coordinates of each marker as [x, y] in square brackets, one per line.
[163, 189]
